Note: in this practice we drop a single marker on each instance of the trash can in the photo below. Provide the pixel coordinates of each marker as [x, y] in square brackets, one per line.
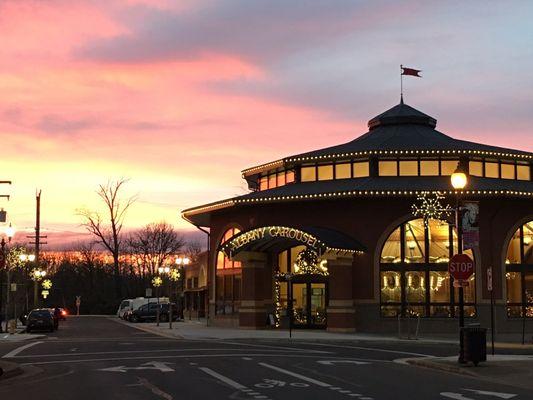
[475, 343]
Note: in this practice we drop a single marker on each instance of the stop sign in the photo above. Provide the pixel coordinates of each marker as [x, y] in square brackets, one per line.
[461, 267]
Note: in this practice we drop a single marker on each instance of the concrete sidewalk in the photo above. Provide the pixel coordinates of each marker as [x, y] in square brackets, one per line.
[513, 370]
[19, 336]
[194, 329]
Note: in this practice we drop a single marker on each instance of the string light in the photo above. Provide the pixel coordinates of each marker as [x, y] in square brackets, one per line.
[430, 207]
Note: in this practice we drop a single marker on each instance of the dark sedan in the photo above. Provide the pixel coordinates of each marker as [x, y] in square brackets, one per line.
[40, 320]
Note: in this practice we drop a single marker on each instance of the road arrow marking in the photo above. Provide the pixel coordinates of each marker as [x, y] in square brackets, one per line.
[495, 394]
[157, 365]
[333, 362]
[455, 396]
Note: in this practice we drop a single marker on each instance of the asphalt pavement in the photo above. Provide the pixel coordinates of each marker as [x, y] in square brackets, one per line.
[98, 358]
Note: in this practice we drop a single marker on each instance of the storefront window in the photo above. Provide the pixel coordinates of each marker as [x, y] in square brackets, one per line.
[391, 249]
[227, 283]
[419, 285]
[519, 272]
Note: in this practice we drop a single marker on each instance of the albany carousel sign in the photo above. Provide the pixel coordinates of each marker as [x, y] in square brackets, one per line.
[272, 232]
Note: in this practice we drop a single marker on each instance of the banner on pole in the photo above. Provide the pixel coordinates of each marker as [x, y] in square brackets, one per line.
[470, 222]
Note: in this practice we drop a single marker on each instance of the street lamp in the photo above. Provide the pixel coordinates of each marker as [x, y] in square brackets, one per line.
[459, 181]
[36, 275]
[9, 233]
[181, 262]
[157, 282]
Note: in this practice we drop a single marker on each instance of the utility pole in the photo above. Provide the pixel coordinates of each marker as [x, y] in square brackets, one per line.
[3, 216]
[37, 242]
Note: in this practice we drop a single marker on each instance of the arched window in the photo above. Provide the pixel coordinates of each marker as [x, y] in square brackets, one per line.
[519, 272]
[414, 277]
[228, 279]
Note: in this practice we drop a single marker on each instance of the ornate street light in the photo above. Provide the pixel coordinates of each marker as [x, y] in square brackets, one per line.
[459, 180]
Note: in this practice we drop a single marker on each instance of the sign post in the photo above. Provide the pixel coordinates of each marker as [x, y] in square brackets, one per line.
[489, 288]
[78, 303]
[461, 267]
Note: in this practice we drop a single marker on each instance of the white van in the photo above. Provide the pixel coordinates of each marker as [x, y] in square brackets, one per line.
[133, 304]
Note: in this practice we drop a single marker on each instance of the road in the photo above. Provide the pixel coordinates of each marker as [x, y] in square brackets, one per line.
[96, 358]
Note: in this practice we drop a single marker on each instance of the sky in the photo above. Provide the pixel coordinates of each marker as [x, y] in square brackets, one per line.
[180, 96]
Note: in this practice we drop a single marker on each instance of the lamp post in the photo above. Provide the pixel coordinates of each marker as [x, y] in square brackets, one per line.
[25, 258]
[36, 275]
[10, 232]
[182, 262]
[165, 271]
[157, 282]
[459, 180]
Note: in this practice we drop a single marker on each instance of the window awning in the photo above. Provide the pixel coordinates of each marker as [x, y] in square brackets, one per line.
[279, 238]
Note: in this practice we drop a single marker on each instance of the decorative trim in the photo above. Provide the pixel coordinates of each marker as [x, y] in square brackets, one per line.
[262, 167]
[351, 193]
[411, 152]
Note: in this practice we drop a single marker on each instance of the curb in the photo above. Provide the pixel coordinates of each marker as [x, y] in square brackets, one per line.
[148, 330]
[426, 363]
[9, 370]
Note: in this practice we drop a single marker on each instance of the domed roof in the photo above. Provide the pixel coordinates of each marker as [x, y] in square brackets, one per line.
[402, 128]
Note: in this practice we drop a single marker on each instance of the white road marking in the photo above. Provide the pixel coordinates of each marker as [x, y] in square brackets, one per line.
[247, 358]
[295, 375]
[368, 348]
[157, 365]
[333, 362]
[88, 360]
[133, 352]
[495, 394]
[230, 382]
[455, 396]
[225, 379]
[13, 353]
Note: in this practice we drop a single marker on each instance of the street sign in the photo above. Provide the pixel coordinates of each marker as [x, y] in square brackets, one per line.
[13, 287]
[461, 267]
[148, 292]
[489, 279]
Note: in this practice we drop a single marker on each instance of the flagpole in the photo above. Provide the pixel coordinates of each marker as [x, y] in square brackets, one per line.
[401, 83]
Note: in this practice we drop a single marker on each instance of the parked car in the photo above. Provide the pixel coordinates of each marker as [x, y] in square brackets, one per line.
[128, 305]
[148, 312]
[40, 319]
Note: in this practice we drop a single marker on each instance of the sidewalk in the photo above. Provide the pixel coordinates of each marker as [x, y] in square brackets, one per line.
[513, 370]
[19, 336]
[197, 330]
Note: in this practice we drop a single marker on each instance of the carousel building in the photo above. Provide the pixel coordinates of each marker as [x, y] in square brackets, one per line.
[328, 238]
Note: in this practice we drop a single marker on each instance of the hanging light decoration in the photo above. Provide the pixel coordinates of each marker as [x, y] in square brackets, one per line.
[307, 262]
[430, 207]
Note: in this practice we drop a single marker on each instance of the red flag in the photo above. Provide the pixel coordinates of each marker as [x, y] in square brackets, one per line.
[411, 71]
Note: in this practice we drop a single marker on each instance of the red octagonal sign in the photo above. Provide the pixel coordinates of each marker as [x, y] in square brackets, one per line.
[461, 267]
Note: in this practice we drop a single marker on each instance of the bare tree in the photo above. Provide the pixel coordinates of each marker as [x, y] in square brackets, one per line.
[194, 249]
[154, 245]
[107, 229]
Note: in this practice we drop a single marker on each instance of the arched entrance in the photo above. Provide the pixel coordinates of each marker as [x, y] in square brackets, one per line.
[286, 273]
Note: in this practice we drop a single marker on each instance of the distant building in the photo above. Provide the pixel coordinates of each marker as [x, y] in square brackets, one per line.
[333, 229]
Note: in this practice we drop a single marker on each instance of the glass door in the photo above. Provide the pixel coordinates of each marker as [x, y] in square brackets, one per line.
[309, 304]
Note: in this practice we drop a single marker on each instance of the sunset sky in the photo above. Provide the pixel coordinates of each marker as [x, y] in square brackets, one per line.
[180, 96]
